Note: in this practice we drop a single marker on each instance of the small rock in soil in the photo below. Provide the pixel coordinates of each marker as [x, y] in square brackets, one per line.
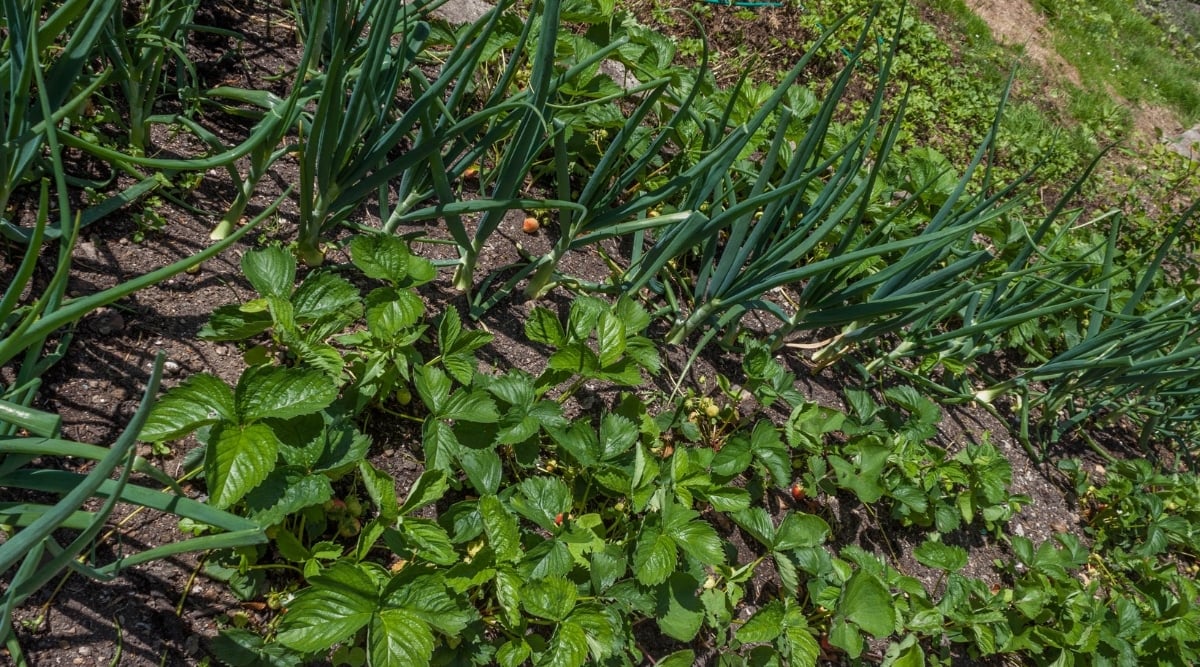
[106, 321]
[87, 250]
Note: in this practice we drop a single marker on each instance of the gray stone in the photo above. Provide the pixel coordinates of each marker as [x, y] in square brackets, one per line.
[1188, 145]
[459, 12]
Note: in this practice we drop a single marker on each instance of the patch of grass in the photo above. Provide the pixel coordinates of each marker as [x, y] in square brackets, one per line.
[1112, 44]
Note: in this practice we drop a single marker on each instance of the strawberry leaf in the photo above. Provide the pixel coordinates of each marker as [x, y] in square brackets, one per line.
[238, 459]
[202, 399]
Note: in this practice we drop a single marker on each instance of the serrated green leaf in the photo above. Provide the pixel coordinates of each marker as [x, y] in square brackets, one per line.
[680, 613]
[697, 539]
[238, 459]
[483, 467]
[757, 522]
[390, 312]
[449, 329]
[685, 658]
[326, 550]
[289, 546]
[629, 311]
[301, 439]
[283, 316]
[524, 421]
[803, 648]
[513, 653]
[733, 458]
[321, 356]
[862, 476]
[380, 256]
[799, 530]
[770, 451]
[764, 626]
[428, 540]
[323, 295]
[586, 11]
[576, 358]
[785, 567]
[388, 258]
[643, 352]
[508, 594]
[985, 639]
[585, 311]
[433, 386]
[232, 322]
[617, 436]
[320, 442]
[501, 528]
[382, 490]
[906, 654]
[514, 387]
[601, 628]
[579, 441]
[551, 599]
[846, 636]
[460, 365]
[341, 445]
[286, 491]
[607, 566]
[202, 399]
[470, 405]
[610, 335]
[542, 500]
[630, 597]
[339, 602]
[369, 536]
[280, 393]
[654, 557]
[727, 498]
[397, 638]
[272, 271]
[242, 648]
[441, 446]
[458, 348]
[549, 559]
[808, 424]
[427, 597]
[429, 488]
[542, 326]
[465, 576]
[624, 372]
[568, 647]
[941, 556]
[462, 521]
[866, 601]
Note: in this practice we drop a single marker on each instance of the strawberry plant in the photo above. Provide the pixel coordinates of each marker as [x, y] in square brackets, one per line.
[619, 353]
[888, 456]
[273, 415]
[317, 323]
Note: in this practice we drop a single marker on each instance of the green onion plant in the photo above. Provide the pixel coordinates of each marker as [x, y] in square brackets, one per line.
[140, 56]
[1036, 284]
[43, 81]
[32, 553]
[807, 219]
[1137, 363]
